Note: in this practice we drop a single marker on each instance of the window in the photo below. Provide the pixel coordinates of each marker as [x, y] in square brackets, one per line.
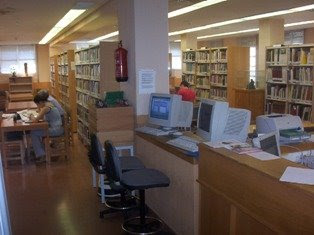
[176, 62]
[12, 58]
[175, 50]
[253, 63]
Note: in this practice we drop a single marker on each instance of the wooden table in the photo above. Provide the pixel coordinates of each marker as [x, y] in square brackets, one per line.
[8, 125]
[18, 106]
[20, 97]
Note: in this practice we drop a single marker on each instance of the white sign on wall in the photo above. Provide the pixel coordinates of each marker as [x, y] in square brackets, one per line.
[147, 81]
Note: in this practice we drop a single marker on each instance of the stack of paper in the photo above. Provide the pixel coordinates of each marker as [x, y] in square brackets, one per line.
[298, 175]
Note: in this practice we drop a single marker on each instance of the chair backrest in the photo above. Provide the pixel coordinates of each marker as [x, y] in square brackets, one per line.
[96, 154]
[113, 168]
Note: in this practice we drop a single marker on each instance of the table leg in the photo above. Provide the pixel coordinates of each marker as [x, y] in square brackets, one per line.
[47, 147]
[3, 152]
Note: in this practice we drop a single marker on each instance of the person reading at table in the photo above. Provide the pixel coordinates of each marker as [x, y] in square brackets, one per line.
[50, 114]
[45, 95]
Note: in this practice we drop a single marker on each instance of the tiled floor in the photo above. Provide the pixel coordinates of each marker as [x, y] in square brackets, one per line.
[56, 199]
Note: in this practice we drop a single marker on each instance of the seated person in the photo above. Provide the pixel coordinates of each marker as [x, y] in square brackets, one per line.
[45, 95]
[186, 93]
[50, 114]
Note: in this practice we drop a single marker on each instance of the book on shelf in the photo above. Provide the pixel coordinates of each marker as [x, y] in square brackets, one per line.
[302, 75]
[276, 92]
[275, 107]
[202, 94]
[304, 112]
[217, 92]
[300, 93]
[218, 79]
[202, 56]
[188, 56]
[202, 81]
[277, 74]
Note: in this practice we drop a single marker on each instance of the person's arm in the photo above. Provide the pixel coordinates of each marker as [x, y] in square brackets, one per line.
[41, 114]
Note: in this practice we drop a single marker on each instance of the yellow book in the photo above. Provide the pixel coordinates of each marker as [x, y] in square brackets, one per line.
[303, 57]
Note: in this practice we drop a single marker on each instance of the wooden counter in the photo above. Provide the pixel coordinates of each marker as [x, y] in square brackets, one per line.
[242, 195]
[178, 204]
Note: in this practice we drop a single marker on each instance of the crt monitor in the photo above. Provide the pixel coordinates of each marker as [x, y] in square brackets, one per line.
[211, 119]
[164, 109]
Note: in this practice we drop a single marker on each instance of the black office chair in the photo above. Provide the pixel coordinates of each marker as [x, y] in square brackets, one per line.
[125, 201]
[141, 180]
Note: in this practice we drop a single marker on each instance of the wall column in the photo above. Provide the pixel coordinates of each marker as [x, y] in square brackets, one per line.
[271, 31]
[143, 29]
[188, 41]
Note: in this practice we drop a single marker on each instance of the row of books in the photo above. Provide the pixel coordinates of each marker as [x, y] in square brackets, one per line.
[218, 55]
[83, 70]
[63, 59]
[91, 86]
[202, 81]
[300, 93]
[64, 99]
[64, 89]
[277, 55]
[202, 68]
[275, 107]
[52, 68]
[279, 74]
[304, 112]
[82, 114]
[202, 94]
[219, 79]
[188, 56]
[302, 55]
[82, 56]
[202, 56]
[189, 67]
[82, 98]
[189, 78]
[218, 67]
[63, 70]
[276, 92]
[64, 79]
[83, 130]
[217, 92]
[303, 75]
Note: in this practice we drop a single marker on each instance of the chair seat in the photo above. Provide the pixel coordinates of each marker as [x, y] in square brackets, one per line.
[130, 163]
[144, 179]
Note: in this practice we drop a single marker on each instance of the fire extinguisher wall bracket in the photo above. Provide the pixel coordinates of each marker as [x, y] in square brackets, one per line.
[121, 63]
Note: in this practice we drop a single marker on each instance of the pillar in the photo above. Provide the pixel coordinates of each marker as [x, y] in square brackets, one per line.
[271, 31]
[143, 29]
[188, 41]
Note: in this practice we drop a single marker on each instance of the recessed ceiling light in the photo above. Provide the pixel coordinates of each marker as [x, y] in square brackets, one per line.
[248, 18]
[193, 7]
[64, 22]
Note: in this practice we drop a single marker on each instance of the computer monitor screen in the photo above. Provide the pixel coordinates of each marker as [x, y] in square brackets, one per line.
[164, 109]
[205, 116]
[160, 107]
[269, 143]
[212, 117]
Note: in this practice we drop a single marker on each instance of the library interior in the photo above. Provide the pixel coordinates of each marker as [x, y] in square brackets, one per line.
[188, 117]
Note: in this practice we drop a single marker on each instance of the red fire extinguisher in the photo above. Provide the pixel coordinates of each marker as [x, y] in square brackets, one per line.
[121, 63]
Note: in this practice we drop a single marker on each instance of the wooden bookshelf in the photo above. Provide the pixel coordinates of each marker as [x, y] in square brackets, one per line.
[20, 88]
[289, 80]
[54, 77]
[66, 85]
[189, 67]
[95, 75]
[202, 81]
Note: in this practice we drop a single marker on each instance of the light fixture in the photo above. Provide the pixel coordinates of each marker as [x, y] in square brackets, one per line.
[64, 22]
[109, 35]
[253, 30]
[177, 40]
[193, 7]
[248, 18]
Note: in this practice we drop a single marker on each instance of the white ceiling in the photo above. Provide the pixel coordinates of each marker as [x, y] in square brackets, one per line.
[27, 21]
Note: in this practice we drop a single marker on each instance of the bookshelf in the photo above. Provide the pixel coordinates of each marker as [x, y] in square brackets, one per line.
[189, 67]
[66, 85]
[20, 88]
[54, 77]
[289, 80]
[94, 72]
[202, 87]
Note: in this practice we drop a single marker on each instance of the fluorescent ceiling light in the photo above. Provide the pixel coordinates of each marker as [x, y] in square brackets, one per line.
[109, 35]
[248, 18]
[229, 33]
[299, 23]
[253, 30]
[64, 22]
[177, 40]
[193, 7]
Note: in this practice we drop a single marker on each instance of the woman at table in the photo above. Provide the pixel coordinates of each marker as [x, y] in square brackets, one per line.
[50, 114]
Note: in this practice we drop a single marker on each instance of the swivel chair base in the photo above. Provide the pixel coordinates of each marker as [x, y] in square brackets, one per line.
[135, 226]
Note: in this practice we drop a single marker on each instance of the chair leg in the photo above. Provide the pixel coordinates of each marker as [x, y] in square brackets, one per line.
[94, 176]
[142, 207]
[102, 188]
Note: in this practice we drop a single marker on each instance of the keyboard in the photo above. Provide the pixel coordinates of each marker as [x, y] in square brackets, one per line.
[152, 131]
[185, 143]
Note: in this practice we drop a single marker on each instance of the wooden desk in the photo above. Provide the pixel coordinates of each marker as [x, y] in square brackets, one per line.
[178, 204]
[8, 125]
[20, 97]
[242, 195]
[18, 106]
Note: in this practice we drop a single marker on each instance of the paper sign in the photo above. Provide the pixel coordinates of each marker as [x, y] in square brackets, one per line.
[298, 175]
[147, 81]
